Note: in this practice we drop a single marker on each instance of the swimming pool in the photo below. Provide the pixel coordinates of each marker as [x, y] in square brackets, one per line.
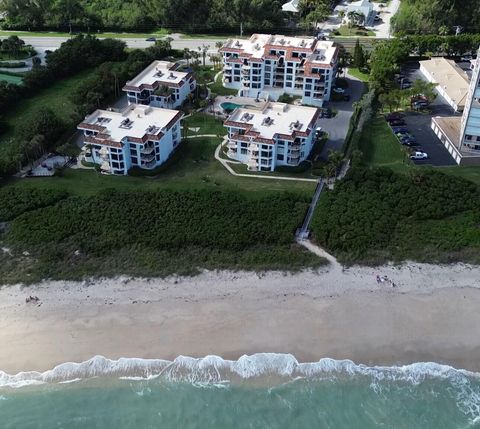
[229, 107]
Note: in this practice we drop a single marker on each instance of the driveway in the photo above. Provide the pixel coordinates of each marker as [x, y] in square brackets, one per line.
[337, 127]
[383, 27]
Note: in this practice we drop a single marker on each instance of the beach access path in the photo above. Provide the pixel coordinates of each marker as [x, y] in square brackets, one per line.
[431, 315]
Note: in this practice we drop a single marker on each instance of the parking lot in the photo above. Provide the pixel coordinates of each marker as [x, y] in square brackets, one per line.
[418, 124]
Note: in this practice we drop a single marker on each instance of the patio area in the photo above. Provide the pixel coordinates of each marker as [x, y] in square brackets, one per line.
[47, 166]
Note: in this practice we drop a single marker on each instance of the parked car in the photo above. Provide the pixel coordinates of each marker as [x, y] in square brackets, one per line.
[420, 105]
[401, 130]
[418, 155]
[404, 136]
[394, 115]
[338, 90]
[466, 58]
[151, 39]
[397, 122]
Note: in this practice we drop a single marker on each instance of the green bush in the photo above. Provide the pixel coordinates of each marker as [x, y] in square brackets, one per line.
[365, 218]
[300, 168]
[15, 65]
[16, 201]
[157, 233]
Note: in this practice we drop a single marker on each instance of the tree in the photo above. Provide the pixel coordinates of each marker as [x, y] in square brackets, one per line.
[203, 51]
[13, 45]
[358, 56]
[67, 11]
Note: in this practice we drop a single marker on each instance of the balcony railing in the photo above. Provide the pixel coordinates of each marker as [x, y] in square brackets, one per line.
[148, 158]
[146, 150]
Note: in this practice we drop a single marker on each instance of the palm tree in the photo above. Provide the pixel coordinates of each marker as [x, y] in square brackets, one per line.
[203, 51]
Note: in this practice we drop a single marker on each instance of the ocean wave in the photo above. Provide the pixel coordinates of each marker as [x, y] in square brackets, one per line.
[214, 369]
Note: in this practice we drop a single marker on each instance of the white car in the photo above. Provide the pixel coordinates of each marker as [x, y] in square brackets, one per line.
[466, 58]
[418, 155]
[338, 90]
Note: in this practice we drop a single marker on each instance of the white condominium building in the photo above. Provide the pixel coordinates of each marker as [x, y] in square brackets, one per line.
[139, 136]
[278, 134]
[461, 135]
[160, 85]
[470, 124]
[302, 66]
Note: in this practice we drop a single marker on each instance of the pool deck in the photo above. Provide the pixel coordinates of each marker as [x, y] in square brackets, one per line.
[242, 101]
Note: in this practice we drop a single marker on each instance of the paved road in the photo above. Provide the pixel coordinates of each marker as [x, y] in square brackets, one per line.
[41, 44]
[337, 126]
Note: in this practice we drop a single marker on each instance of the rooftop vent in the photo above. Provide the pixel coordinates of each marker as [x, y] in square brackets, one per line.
[171, 76]
[281, 41]
[246, 117]
[152, 129]
[296, 125]
[267, 121]
[126, 123]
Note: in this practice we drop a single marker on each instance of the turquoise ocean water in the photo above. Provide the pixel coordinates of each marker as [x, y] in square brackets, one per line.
[259, 391]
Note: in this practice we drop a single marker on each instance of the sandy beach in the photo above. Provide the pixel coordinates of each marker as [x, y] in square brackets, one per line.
[432, 314]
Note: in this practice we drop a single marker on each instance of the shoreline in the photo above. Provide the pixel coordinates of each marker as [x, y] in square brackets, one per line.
[430, 316]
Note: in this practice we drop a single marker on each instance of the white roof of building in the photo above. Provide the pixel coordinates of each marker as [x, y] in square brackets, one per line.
[324, 52]
[135, 121]
[364, 6]
[453, 80]
[275, 118]
[291, 6]
[163, 71]
[256, 44]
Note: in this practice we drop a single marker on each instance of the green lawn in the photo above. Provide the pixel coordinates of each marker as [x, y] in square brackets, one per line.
[355, 72]
[207, 124]
[196, 169]
[380, 147]
[469, 173]
[17, 80]
[218, 88]
[346, 31]
[55, 97]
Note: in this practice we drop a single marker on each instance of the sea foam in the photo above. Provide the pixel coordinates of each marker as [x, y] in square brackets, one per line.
[214, 369]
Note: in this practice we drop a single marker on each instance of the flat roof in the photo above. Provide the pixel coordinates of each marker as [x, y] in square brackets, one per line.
[134, 121]
[275, 118]
[451, 127]
[453, 80]
[158, 71]
[255, 46]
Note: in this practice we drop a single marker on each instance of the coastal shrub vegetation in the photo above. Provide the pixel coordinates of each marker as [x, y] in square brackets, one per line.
[376, 215]
[155, 233]
[16, 201]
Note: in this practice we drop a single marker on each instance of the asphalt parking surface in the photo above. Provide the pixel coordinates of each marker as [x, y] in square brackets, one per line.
[419, 124]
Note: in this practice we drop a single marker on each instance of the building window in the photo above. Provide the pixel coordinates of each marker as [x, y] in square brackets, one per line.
[288, 84]
[134, 160]
[280, 157]
[243, 145]
[243, 151]
[308, 86]
[308, 93]
[468, 137]
[289, 70]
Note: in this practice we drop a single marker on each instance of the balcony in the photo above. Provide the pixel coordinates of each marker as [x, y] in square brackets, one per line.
[148, 158]
[246, 67]
[232, 153]
[245, 72]
[227, 72]
[149, 164]
[232, 145]
[147, 150]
